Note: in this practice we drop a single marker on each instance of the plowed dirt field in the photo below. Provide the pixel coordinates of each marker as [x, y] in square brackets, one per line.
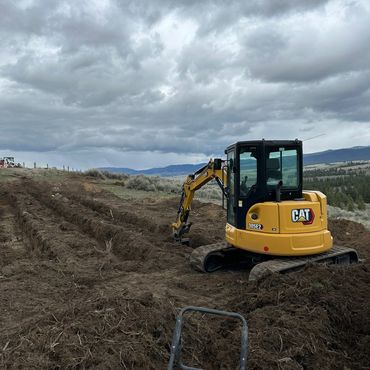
[89, 280]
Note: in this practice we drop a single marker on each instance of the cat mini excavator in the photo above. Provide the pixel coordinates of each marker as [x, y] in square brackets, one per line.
[272, 224]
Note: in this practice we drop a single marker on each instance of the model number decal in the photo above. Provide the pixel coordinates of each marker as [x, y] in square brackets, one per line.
[304, 215]
[255, 226]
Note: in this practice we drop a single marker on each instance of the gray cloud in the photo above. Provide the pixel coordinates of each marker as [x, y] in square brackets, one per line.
[174, 78]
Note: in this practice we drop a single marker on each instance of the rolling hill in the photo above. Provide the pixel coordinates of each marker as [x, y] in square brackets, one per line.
[328, 156]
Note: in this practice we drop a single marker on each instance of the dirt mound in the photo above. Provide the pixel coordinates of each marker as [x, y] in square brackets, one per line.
[316, 319]
[351, 234]
[97, 332]
[88, 280]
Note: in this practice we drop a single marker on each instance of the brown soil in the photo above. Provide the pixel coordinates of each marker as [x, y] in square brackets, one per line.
[88, 280]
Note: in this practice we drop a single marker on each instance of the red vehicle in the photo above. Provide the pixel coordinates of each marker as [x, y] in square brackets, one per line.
[3, 163]
[8, 162]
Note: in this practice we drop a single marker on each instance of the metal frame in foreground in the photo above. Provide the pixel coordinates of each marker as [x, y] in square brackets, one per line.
[175, 357]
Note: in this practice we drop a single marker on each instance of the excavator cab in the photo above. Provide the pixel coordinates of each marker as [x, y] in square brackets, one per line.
[264, 196]
[261, 171]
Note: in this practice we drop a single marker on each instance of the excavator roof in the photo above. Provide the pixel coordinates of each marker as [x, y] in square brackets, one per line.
[268, 142]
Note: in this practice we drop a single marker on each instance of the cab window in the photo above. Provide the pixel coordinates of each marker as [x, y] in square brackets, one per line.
[282, 165]
[248, 170]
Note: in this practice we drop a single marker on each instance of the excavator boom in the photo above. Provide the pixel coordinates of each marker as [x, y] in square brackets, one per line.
[214, 170]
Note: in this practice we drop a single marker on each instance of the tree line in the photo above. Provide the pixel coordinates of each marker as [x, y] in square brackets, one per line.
[345, 190]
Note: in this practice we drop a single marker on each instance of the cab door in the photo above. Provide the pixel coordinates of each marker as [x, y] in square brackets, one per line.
[231, 169]
[249, 186]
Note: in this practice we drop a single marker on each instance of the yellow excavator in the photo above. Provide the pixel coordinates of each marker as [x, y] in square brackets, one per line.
[272, 224]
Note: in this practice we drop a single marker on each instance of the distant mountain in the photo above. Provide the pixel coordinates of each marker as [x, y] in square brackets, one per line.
[356, 153]
[328, 156]
[173, 170]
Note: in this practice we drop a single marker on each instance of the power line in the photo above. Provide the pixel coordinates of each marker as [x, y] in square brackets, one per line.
[314, 137]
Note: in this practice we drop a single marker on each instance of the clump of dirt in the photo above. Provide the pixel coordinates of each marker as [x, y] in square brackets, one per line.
[88, 280]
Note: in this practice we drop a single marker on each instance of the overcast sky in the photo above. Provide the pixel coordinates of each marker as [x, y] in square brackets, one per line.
[149, 83]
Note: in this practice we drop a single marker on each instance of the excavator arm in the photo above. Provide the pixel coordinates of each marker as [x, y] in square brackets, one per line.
[214, 170]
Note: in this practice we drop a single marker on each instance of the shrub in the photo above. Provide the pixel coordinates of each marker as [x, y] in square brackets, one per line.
[115, 176]
[210, 191]
[103, 175]
[149, 183]
[139, 182]
[94, 173]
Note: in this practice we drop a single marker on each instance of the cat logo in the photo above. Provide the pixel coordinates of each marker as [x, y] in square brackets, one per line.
[304, 215]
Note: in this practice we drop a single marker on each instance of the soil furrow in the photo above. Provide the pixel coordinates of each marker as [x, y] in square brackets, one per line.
[123, 241]
[115, 213]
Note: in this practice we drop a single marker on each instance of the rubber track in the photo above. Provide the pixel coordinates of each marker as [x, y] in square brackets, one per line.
[199, 255]
[282, 265]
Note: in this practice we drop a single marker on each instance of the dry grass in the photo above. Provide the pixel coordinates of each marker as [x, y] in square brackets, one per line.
[362, 217]
[132, 186]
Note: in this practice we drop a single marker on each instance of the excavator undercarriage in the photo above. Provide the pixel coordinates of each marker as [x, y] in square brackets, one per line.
[213, 257]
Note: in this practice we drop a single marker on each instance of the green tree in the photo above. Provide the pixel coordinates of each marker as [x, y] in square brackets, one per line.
[360, 203]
